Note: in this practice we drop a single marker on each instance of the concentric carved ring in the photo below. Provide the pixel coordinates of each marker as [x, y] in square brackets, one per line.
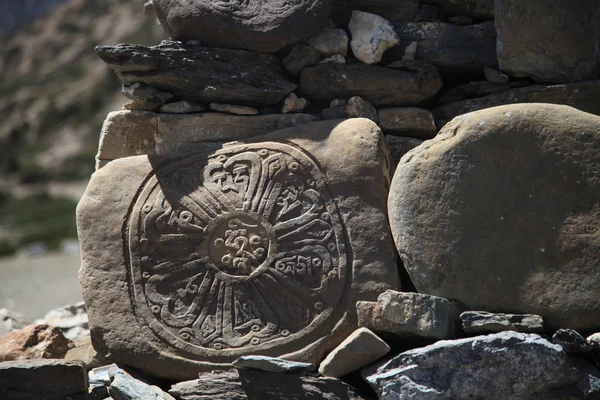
[236, 252]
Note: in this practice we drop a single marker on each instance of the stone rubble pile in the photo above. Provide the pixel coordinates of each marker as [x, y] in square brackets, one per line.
[341, 199]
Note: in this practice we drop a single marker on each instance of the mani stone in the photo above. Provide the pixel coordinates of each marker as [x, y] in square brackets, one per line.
[556, 41]
[271, 364]
[132, 133]
[403, 84]
[501, 366]
[372, 36]
[265, 26]
[202, 74]
[257, 248]
[43, 379]
[571, 341]
[407, 121]
[484, 322]
[359, 349]
[500, 212]
[410, 315]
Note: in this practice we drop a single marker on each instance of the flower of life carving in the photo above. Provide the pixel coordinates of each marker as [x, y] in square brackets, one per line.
[236, 252]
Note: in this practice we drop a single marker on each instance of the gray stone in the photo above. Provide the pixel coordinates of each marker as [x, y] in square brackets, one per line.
[407, 121]
[502, 366]
[553, 42]
[359, 108]
[476, 89]
[295, 288]
[408, 84]
[126, 387]
[480, 9]
[398, 146]
[233, 109]
[338, 102]
[484, 322]
[247, 384]
[83, 351]
[11, 320]
[42, 379]
[182, 107]
[265, 26]
[372, 36]
[452, 48]
[571, 341]
[359, 349]
[294, 104]
[410, 315]
[518, 255]
[582, 95]
[330, 42]
[337, 112]
[392, 10]
[271, 364]
[145, 97]
[336, 59]
[301, 56]
[103, 375]
[72, 320]
[494, 76]
[202, 74]
[132, 133]
[594, 341]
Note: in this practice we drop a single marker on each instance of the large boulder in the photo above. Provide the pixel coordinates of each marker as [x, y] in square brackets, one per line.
[257, 248]
[265, 26]
[556, 41]
[502, 366]
[203, 74]
[500, 211]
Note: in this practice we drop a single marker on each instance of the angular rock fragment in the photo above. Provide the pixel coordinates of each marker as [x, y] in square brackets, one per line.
[172, 229]
[182, 107]
[407, 121]
[202, 74]
[144, 97]
[271, 364]
[484, 322]
[300, 57]
[33, 341]
[265, 26]
[294, 104]
[581, 95]
[557, 42]
[372, 36]
[126, 387]
[336, 59]
[518, 254]
[359, 108]
[571, 341]
[233, 109]
[452, 48]
[407, 84]
[410, 315]
[249, 384]
[359, 349]
[330, 42]
[502, 366]
[43, 379]
[132, 133]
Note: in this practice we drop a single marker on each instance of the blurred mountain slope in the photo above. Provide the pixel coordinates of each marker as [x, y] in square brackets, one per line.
[15, 13]
[55, 91]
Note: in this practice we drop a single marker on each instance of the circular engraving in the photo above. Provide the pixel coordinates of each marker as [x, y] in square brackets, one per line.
[238, 251]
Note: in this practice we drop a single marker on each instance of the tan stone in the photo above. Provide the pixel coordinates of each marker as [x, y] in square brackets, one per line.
[257, 248]
[359, 349]
[33, 341]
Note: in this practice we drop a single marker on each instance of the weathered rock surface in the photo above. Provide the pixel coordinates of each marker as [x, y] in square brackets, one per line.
[201, 74]
[393, 10]
[253, 384]
[556, 42]
[518, 255]
[271, 364]
[42, 379]
[359, 108]
[132, 133]
[399, 146]
[372, 36]
[291, 295]
[11, 320]
[336, 58]
[330, 41]
[361, 348]
[33, 341]
[410, 315]
[411, 84]
[480, 9]
[126, 387]
[481, 322]
[83, 351]
[265, 26]
[407, 121]
[594, 341]
[233, 109]
[144, 97]
[571, 341]
[494, 76]
[300, 57]
[183, 107]
[581, 95]
[502, 366]
[294, 104]
[452, 48]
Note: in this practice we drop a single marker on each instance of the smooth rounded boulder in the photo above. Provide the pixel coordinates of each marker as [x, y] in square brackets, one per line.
[265, 26]
[501, 212]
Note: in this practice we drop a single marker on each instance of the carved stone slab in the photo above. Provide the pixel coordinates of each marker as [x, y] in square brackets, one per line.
[255, 248]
